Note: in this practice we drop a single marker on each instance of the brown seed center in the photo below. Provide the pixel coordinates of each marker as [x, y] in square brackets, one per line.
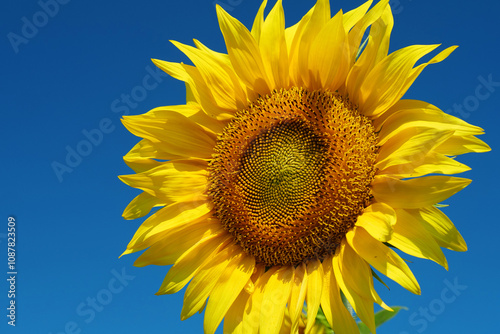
[291, 174]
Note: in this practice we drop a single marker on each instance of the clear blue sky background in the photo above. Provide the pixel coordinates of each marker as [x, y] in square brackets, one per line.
[67, 78]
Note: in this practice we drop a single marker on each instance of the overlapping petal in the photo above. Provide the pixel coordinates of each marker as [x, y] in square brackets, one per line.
[411, 237]
[382, 258]
[203, 283]
[273, 48]
[335, 311]
[223, 84]
[418, 192]
[189, 264]
[297, 296]
[440, 227]
[328, 60]
[378, 219]
[382, 86]
[243, 52]
[314, 290]
[178, 180]
[307, 30]
[142, 205]
[377, 47]
[230, 284]
[275, 296]
[361, 304]
[172, 132]
[171, 217]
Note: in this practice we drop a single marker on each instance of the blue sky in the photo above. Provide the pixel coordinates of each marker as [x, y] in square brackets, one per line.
[71, 70]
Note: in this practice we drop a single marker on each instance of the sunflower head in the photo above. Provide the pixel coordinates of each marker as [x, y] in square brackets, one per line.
[294, 170]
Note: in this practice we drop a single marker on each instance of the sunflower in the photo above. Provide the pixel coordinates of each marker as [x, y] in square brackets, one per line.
[294, 170]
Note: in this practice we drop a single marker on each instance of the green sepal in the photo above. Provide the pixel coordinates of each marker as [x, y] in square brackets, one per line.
[374, 274]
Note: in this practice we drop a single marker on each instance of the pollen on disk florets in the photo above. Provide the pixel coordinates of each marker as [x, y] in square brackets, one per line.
[291, 173]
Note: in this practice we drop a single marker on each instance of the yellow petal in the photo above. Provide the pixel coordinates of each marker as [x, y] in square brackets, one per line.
[335, 312]
[382, 258]
[253, 310]
[363, 22]
[286, 327]
[145, 149]
[410, 145]
[188, 264]
[198, 88]
[194, 112]
[380, 33]
[381, 88]
[406, 114]
[354, 16]
[243, 52]
[173, 216]
[141, 165]
[141, 205]
[440, 227]
[171, 247]
[204, 281]
[233, 322]
[432, 163]
[314, 291]
[293, 36]
[319, 18]
[226, 290]
[222, 58]
[308, 28]
[297, 296]
[355, 280]
[175, 70]
[328, 59]
[205, 97]
[378, 219]
[208, 123]
[190, 97]
[290, 35]
[273, 48]
[258, 22]
[416, 193]
[462, 144]
[276, 295]
[412, 238]
[375, 50]
[223, 88]
[142, 156]
[187, 110]
[172, 132]
[415, 72]
[243, 93]
[178, 180]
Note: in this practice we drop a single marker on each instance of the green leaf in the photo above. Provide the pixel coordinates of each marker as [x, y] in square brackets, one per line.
[384, 315]
[321, 319]
[363, 329]
[380, 318]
